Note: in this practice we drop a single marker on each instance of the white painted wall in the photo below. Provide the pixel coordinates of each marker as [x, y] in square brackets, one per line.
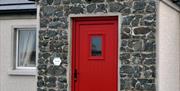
[169, 49]
[12, 82]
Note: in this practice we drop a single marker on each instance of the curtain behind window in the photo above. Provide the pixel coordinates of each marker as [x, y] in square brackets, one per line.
[26, 48]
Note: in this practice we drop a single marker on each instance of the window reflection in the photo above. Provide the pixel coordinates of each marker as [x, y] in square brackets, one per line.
[96, 46]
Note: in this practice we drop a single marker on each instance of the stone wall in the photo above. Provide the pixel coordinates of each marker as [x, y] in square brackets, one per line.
[138, 46]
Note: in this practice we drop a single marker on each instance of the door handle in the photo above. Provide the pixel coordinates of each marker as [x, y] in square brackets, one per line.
[75, 75]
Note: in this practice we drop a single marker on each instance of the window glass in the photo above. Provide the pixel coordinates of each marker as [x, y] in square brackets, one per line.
[26, 55]
[96, 46]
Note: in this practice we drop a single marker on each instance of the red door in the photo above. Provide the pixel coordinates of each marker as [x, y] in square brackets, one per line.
[95, 54]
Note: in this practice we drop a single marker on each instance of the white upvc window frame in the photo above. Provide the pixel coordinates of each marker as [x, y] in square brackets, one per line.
[17, 47]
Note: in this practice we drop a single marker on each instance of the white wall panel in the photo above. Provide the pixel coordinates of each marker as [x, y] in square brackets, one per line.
[11, 82]
[169, 49]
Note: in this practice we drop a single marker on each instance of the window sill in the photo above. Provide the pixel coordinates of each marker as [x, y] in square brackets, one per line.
[23, 72]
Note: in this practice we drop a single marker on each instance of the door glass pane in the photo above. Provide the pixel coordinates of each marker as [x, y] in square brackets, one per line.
[96, 46]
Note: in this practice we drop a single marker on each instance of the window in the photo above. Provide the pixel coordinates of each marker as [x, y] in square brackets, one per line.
[96, 46]
[25, 48]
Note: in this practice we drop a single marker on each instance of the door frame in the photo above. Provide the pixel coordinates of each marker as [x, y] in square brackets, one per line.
[70, 32]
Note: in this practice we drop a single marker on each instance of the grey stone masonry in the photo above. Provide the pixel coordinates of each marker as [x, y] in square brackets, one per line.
[137, 42]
